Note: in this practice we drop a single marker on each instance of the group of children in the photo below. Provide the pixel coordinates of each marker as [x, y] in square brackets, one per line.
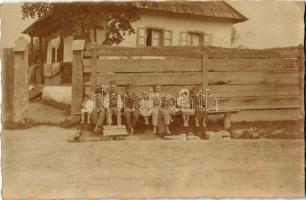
[154, 104]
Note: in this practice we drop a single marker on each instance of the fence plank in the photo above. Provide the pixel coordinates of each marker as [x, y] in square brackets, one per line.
[145, 65]
[267, 115]
[267, 77]
[265, 64]
[249, 103]
[226, 90]
[187, 78]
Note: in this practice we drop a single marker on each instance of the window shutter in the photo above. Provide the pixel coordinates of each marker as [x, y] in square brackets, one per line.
[207, 41]
[141, 41]
[183, 39]
[167, 38]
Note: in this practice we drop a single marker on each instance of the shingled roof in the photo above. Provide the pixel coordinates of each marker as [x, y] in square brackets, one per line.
[211, 9]
[216, 9]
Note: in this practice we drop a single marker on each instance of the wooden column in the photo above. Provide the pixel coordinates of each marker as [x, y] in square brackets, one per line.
[77, 78]
[7, 84]
[302, 80]
[93, 68]
[204, 71]
[20, 83]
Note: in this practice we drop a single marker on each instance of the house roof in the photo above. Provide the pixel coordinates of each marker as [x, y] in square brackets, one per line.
[216, 9]
[212, 9]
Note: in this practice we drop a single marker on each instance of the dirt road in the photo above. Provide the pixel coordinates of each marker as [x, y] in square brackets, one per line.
[40, 163]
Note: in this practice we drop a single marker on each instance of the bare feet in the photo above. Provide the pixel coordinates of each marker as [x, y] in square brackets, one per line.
[168, 130]
[154, 130]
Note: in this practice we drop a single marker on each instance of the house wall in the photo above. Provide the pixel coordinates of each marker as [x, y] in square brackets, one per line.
[221, 29]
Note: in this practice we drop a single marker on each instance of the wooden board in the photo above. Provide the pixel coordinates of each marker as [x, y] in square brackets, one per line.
[145, 65]
[256, 103]
[196, 52]
[226, 90]
[267, 115]
[260, 77]
[192, 78]
[265, 64]
[187, 78]
[192, 64]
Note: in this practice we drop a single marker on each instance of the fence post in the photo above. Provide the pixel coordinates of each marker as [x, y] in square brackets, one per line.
[302, 80]
[204, 70]
[7, 80]
[93, 67]
[77, 78]
[20, 82]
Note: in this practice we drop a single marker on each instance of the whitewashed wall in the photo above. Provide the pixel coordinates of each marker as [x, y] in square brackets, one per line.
[220, 29]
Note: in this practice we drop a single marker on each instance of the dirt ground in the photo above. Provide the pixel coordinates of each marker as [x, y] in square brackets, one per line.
[39, 163]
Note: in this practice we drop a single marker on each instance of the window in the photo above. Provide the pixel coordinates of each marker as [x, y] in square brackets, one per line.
[153, 37]
[195, 39]
[207, 39]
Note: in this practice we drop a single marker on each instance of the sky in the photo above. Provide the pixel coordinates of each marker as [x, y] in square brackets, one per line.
[272, 23]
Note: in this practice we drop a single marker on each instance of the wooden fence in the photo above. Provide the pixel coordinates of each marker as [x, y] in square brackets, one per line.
[265, 85]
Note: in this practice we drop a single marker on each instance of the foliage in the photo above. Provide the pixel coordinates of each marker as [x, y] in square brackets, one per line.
[78, 19]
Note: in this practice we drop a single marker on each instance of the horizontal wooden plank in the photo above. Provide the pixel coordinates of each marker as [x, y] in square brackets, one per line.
[186, 78]
[267, 115]
[265, 64]
[259, 77]
[253, 53]
[145, 65]
[191, 78]
[229, 90]
[255, 103]
[192, 64]
[148, 51]
[179, 51]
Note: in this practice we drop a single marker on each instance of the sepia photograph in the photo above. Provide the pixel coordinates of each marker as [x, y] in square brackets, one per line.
[152, 99]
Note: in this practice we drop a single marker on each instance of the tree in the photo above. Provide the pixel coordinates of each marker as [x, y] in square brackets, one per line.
[78, 19]
[234, 36]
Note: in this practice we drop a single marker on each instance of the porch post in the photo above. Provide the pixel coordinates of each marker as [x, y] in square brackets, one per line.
[204, 71]
[77, 78]
[20, 82]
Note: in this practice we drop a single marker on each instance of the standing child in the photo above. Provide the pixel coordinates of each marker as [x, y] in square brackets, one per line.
[113, 104]
[98, 113]
[87, 107]
[158, 99]
[145, 108]
[184, 102]
[131, 113]
[200, 109]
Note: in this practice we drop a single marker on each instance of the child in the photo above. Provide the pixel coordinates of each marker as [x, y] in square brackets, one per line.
[184, 102]
[131, 113]
[113, 104]
[199, 107]
[87, 107]
[98, 113]
[145, 108]
[158, 99]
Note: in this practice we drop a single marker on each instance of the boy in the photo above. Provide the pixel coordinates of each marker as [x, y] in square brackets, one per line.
[131, 113]
[158, 99]
[87, 107]
[184, 103]
[113, 104]
[98, 113]
[199, 110]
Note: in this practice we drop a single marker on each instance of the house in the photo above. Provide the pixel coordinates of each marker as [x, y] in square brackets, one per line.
[161, 24]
